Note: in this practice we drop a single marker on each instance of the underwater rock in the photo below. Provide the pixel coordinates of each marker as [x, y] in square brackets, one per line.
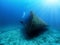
[34, 26]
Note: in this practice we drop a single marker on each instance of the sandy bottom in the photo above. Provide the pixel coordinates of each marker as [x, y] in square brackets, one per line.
[13, 36]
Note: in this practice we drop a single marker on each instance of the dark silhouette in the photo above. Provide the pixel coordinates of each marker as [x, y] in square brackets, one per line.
[34, 27]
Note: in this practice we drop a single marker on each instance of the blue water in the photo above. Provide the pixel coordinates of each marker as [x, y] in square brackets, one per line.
[11, 11]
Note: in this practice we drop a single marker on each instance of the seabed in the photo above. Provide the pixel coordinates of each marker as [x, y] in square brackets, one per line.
[15, 37]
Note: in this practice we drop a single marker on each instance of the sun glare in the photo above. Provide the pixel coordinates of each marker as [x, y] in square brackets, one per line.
[51, 2]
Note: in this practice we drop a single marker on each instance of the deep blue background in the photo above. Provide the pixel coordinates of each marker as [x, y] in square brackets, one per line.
[11, 11]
